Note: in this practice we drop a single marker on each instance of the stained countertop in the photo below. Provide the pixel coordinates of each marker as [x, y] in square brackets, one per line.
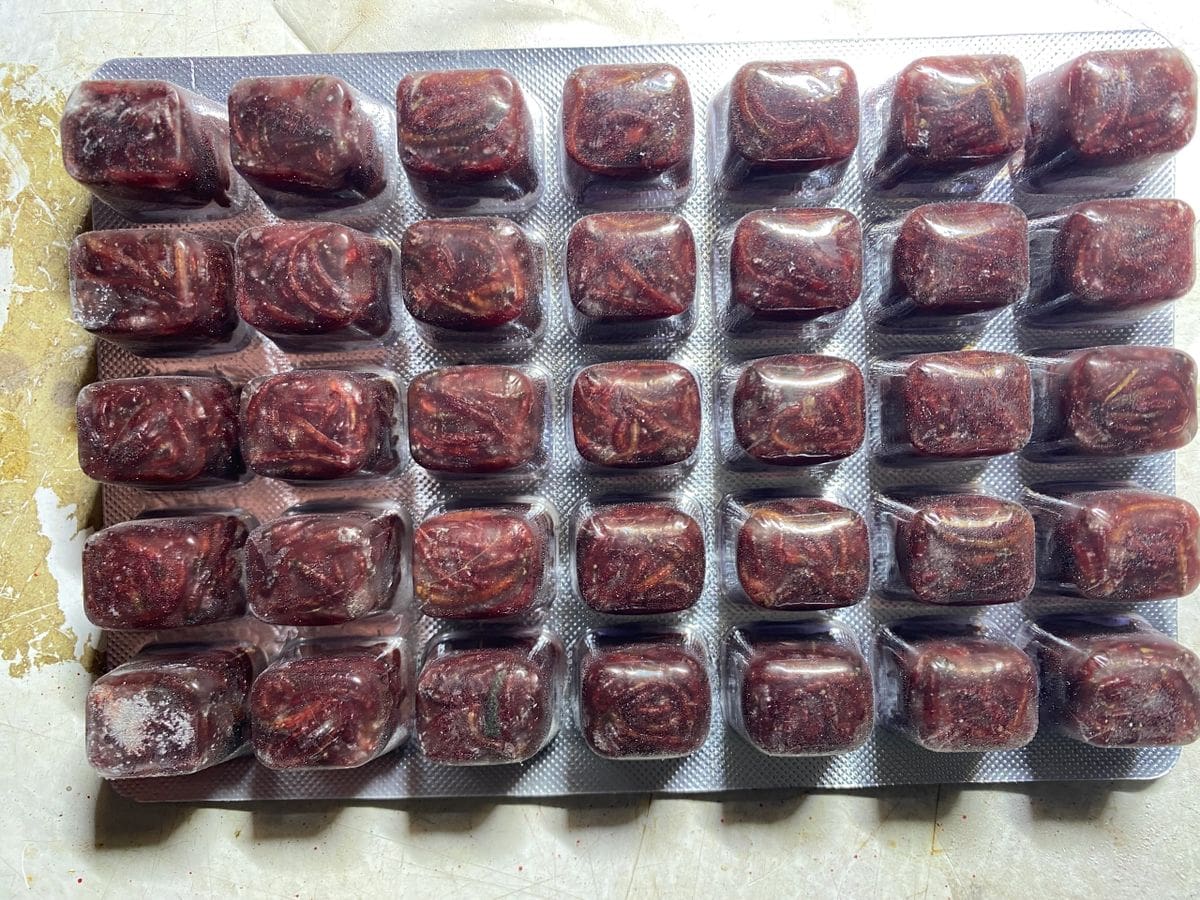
[66, 833]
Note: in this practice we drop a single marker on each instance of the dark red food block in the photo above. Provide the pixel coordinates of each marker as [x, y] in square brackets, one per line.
[162, 431]
[803, 553]
[639, 558]
[153, 289]
[629, 267]
[799, 410]
[1124, 256]
[960, 405]
[466, 136]
[1130, 545]
[471, 274]
[632, 415]
[171, 710]
[164, 573]
[794, 265]
[319, 280]
[1128, 401]
[319, 424]
[950, 115]
[324, 568]
[147, 147]
[966, 550]
[475, 420]
[489, 701]
[334, 705]
[1116, 682]
[803, 696]
[788, 120]
[484, 563]
[305, 142]
[958, 692]
[955, 259]
[645, 699]
[627, 126]
[1107, 119]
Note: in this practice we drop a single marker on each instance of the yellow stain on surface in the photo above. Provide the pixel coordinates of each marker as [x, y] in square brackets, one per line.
[44, 357]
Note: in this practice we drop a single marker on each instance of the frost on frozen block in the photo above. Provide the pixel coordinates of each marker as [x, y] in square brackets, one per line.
[484, 562]
[171, 710]
[308, 144]
[324, 568]
[331, 704]
[487, 700]
[314, 285]
[1113, 681]
[161, 431]
[165, 573]
[153, 290]
[1107, 119]
[951, 687]
[150, 149]
[467, 140]
[320, 424]
[478, 420]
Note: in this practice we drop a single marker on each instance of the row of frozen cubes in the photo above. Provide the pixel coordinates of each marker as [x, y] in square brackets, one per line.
[476, 560]
[782, 131]
[780, 413]
[631, 277]
[797, 689]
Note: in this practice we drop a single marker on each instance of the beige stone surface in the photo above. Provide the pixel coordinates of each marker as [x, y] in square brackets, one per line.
[63, 833]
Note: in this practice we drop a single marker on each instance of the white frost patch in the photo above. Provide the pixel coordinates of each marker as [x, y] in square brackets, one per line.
[59, 526]
[8, 272]
[14, 173]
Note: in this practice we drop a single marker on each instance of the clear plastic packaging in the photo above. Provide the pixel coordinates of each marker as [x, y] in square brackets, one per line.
[946, 124]
[475, 281]
[790, 272]
[467, 139]
[793, 553]
[797, 688]
[332, 703]
[633, 415]
[152, 151]
[315, 286]
[490, 697]
[630, 276]
[639, 555]
[627, 133]
[326, 568]
[321, 425]
[1110, 262]
[155, 291]
[952, 686]
[643, 693]
[1104, 121]
[948, 267]
[312, 146]
[178, 431]
[789, 411]
[165, 572]
[489, 560]
[955, 547]
[172, 709]
[784, 131]
[1114, 681]
[480, 420]
[1117, 401]
[957, 405]
[1115, 544]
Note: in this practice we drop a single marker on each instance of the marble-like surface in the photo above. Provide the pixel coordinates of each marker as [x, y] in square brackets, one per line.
[64, 833]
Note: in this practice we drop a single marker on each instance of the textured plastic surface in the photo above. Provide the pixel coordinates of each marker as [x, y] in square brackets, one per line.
[724, 762]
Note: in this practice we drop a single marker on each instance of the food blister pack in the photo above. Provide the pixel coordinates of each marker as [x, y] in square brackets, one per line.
[703, 487]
